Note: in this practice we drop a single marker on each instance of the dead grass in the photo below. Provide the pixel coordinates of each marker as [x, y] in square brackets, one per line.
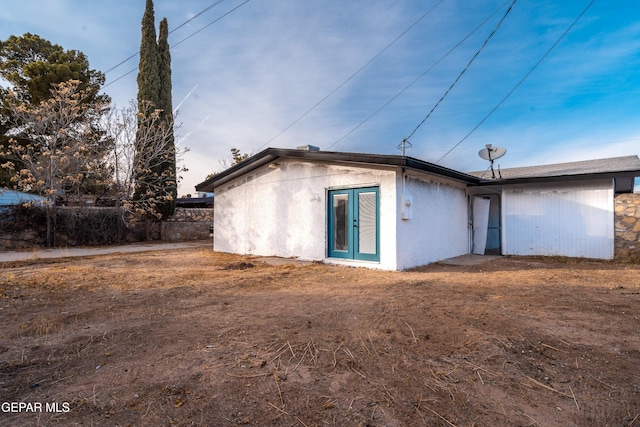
[192, 337]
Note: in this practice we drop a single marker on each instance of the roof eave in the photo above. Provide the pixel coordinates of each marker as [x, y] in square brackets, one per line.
[270, 154]
[440, 170]
[561, 178]
[235, 171]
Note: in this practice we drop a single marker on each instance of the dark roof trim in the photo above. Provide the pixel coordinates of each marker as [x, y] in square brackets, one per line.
[236, 170]
[270, 154]
[561, 178]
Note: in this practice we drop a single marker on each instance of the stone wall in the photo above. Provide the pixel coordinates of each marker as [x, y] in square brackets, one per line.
[192, 215]
[24, 239]
[627, 225]
[185, 224]
[188, 224]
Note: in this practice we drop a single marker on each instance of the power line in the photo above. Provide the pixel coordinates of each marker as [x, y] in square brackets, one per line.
[211, 6]
[184, 39]
[414, 81]
[351, 76]
[212, 22]
[124, 61]
[521, 80]
[119, 78]
[462, 72]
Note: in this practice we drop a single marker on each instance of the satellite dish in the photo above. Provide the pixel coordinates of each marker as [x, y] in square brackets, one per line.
[492, 153]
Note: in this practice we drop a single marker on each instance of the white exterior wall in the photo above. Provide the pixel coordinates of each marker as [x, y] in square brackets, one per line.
[438, 224]
[575, 220]
[282, 212]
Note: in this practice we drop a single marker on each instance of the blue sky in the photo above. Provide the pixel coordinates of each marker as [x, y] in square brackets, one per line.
[244, 79]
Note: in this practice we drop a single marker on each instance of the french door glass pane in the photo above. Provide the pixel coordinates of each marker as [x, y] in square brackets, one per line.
[367, 223]
[341, 222]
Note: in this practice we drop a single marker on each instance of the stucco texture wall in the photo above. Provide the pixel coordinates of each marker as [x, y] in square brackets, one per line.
[627, 224]
[281, 211]
[437, 227]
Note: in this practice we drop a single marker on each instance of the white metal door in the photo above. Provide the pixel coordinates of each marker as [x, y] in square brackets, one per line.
[480, 224]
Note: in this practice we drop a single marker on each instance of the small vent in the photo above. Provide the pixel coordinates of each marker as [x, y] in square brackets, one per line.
[309, 148]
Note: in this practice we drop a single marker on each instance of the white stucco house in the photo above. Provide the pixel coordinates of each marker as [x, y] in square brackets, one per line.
[395, 212]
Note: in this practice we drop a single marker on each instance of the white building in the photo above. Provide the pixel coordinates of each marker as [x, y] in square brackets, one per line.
[395, 212]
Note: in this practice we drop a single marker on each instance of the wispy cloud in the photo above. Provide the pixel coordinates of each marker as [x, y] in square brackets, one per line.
[261, 67]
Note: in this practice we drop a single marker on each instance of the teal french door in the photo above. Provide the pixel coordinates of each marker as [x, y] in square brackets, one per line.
[354, 224]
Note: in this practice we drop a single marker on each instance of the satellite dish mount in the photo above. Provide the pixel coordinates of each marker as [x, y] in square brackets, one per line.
[492, 153]
[404, 145]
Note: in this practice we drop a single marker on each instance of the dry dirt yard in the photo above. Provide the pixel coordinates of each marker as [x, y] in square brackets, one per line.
[193, 337]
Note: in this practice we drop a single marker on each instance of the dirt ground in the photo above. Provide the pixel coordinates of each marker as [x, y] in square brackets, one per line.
[193, 337]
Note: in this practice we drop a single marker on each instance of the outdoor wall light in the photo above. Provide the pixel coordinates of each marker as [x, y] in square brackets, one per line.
[274, 165]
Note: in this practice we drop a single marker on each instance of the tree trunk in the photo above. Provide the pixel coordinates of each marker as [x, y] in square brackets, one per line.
[50, 226]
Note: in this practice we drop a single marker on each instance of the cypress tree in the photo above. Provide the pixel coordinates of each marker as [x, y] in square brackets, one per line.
[154, 93]
[165, 103]
[148, 70]
[148, 89]
[164, 69]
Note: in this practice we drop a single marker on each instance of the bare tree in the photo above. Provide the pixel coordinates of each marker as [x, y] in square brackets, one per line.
[236, 157]
[60, 147]
[120, 125]
[127, 127]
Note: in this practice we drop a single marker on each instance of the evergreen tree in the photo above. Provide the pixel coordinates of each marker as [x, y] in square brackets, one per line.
[154, 97]
[164, 70]
[166, 105]
[148, 71]
[32, 68]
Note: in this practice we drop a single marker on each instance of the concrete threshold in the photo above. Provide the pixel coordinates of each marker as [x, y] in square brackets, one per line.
[469, 259]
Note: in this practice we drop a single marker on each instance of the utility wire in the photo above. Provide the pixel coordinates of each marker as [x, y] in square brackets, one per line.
[351, 76]
[119, 78]
[462, 72]
[521, 80]
[212, 22]
[414, 81]
[211, 6]
[184, 39]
